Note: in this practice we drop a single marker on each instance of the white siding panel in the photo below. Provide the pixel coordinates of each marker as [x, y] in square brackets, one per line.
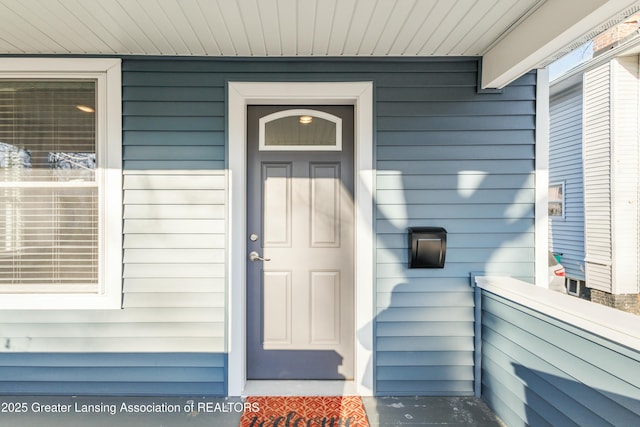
[110, 330]
[177, 299]
[597, 174]
[174, 181]
[195, 197]
[174, 270]
[117, 345]
[170, 226]
[174, 212]
[174, 280]
[611, 176]
[174, 241]
[139, 316]
[174, 255]
[168, 284]
[625, 181]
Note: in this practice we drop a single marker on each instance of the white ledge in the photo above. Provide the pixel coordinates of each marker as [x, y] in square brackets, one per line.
[609, 323]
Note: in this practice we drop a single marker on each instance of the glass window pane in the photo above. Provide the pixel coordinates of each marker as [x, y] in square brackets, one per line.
[47, 130]
[49, 224]
[48, 236]
[300, 130]
[556, 200]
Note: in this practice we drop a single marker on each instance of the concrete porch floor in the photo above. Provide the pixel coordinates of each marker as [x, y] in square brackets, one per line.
[415, 411]
[67, 411]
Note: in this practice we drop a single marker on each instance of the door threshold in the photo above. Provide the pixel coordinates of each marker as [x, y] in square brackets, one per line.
[299, 388]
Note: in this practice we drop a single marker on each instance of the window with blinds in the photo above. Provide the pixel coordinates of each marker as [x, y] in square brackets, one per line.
[49, 195]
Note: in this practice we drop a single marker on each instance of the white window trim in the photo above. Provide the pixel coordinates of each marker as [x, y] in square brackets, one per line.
[562, 185]
[262, 136]
[107, 73]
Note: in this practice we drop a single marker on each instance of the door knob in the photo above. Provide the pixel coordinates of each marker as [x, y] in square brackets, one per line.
[254, 256]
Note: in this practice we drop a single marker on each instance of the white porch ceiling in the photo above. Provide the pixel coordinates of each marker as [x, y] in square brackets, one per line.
[290, 28]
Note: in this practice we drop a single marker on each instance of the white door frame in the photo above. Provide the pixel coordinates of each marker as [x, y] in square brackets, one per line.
[358, 94]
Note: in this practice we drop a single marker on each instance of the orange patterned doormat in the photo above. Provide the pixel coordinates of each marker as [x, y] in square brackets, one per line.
[304, 411]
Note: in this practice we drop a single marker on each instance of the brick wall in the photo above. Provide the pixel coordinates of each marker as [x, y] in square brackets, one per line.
[615, 34]
[624, 302]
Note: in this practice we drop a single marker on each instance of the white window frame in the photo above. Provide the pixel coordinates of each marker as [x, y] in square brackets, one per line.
[262, 136]
[107, 74]
[562, 201]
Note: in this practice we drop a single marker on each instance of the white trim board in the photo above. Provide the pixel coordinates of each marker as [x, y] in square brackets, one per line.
[542, 180]
[358, 94]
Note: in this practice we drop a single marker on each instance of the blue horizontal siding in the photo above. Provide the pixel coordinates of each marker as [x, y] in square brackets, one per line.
[440, 167]
[174, 108]
[454, 123]
[390, 181]
[127, 374]
[389, 79]
[173, 123]
[455, 137]
[566, 235]
[445, 155]
[456, 108]
[171, 94]
[452, 152]
[84, 388]
[301, 68]
[540, 371]
[431, 125]
[172, 138]
[459, 94]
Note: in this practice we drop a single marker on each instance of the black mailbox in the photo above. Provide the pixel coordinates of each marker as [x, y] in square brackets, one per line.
[427, 247]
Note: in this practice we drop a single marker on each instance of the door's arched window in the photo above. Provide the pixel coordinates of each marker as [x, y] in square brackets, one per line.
[300, 130]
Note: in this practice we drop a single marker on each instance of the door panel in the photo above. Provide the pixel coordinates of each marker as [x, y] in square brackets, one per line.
[300, 322]
[325, 205]
[277, 303]
[325, 307]
[276, 204]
